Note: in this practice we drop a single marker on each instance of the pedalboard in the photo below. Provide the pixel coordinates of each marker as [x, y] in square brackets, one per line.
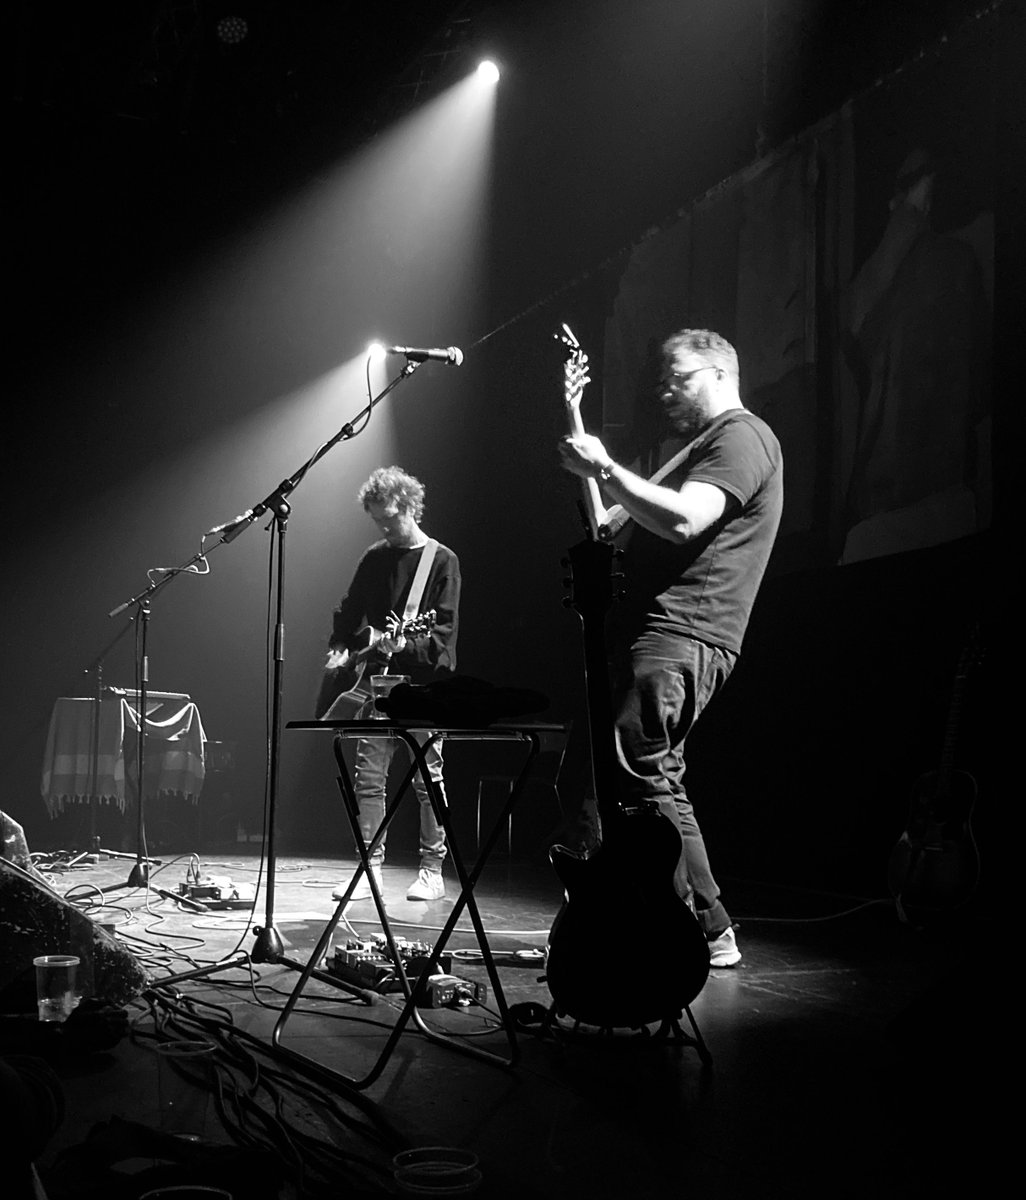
[218, 893]
[368, 963]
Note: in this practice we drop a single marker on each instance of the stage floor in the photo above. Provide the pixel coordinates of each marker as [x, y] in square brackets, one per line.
[843, 1049]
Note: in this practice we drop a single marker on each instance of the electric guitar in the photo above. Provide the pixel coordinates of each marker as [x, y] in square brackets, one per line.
[603, 524]
[345, 690]
[935, 864]
[625, 950]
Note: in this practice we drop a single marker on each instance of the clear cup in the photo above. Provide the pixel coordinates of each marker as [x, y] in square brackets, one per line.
[185, 1083]
[381, 685]
[437, 1171]
[55, 986]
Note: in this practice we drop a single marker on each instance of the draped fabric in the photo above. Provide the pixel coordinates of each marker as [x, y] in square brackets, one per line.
[72, 773]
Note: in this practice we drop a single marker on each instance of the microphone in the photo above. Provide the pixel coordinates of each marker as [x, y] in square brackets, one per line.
[232, 523]
[452, 355]
[232, 529]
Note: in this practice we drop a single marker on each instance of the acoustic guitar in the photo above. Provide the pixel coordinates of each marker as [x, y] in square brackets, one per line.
[346, 689]
[935, 865]
[625, 950]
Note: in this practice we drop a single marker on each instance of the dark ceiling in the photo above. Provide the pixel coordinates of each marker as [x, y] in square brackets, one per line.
[274, 71]
[140, 127]
[228, 72]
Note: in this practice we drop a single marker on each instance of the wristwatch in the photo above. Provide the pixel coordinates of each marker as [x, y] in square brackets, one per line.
[606, 472]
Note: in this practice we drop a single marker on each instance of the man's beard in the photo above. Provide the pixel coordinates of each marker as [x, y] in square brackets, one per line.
[687, 418]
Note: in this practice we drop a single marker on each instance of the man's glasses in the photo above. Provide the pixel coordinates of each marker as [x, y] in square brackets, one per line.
[684, 376]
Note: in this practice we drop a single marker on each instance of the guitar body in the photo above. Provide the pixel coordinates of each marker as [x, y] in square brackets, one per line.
[345, 690]
[625, 949]
[347, 705]
[935, 864]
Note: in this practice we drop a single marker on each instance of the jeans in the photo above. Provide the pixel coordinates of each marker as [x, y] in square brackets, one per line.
[659, 690]
[373, 758]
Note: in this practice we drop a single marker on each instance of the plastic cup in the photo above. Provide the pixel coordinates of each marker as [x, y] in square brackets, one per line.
[185, 1083]
[436, 1171]
[55, 986]
[381, 685]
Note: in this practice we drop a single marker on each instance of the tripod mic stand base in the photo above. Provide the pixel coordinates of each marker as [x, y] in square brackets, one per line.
[269, 947]
[139, 875]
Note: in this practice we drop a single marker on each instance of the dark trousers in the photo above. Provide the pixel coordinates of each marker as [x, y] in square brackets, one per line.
[660, 688]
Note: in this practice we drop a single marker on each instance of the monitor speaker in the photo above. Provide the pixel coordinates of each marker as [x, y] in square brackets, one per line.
[35, 920]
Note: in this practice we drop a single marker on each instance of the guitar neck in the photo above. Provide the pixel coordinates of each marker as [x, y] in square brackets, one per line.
[971, 652]
[594, 509]
[591, 565]
[420, 624]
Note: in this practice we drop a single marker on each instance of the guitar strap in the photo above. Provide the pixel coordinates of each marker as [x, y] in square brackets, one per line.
[617, 516]
[420, 580]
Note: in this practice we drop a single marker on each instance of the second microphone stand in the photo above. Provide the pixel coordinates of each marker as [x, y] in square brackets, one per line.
[139, 876]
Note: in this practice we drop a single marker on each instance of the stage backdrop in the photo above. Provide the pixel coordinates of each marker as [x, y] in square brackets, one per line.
[853, 270]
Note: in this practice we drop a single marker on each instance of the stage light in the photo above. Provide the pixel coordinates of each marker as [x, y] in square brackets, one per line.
[488, 72]
[232, 30]
[376, 352]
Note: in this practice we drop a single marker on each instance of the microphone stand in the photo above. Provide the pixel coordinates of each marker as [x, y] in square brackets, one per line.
[139, 877]
[269, 946]
[95, 669]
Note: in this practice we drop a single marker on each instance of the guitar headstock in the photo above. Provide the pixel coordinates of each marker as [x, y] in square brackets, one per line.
[396, 627]
[423, 623]
[575, 367]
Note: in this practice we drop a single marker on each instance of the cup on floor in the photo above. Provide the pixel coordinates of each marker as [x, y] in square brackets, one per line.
[185, 1083]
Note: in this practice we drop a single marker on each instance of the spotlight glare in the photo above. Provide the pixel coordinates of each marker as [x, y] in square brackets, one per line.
[376, 352]
[488, 71]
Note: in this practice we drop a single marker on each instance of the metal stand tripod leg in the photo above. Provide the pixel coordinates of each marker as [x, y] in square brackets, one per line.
[465, 900]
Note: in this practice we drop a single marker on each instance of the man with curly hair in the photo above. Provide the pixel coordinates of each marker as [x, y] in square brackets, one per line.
[366, 618]
[700, 540]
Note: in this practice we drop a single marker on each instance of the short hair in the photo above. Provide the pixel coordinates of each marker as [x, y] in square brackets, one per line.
[711, 346]
[388, 484]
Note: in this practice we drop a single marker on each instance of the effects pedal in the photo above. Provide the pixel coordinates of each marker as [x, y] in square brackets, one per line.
[449, 991]
[368, 963]
[218, 893]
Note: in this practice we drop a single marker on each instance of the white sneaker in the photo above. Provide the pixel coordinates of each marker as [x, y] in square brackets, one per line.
[429, 885]
[723, 951]
[362, 891]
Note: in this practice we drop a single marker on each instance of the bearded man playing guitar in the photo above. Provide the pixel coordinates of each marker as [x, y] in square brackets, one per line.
[367, 630]
[699, 542]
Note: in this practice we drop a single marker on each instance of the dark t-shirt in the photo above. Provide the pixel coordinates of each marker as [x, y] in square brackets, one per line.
[705, 589]
[380, 585]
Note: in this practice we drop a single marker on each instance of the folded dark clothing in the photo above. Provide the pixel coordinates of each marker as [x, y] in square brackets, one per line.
[459, 700]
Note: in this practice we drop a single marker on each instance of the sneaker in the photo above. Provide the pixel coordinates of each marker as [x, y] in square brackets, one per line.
[362, 891]
[723, 951]
[429, 885]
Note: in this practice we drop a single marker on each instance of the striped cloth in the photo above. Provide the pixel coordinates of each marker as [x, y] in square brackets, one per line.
[174, 752]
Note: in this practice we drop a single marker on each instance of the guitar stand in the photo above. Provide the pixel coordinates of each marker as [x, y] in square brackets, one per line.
[417, 740]
[669, 1029]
